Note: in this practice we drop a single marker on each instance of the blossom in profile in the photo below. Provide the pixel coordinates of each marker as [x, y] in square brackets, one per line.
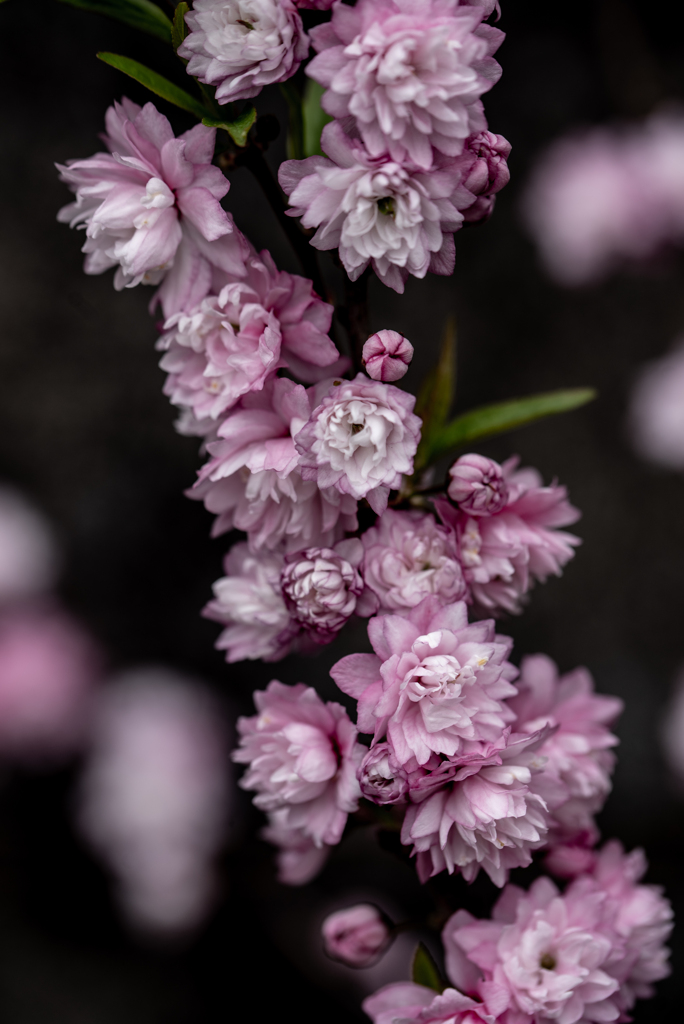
[407, 557]
[410, 73]
[48, 672]
[28, 555]
[579, 753]
[322, 588]
[479, 812]
[154, 795]
[249, 603]
[435, 685]
[378, 212]
[387, 355]
[239, 46]
[485, 171]
[302, 756]
[585, 955]
[502, 554]
[151, 207]
[356, 936]
[657, 410]
[477, 485]
[252, 480]
[360, 438]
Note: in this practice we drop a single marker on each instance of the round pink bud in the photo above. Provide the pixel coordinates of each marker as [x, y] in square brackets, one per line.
[386, 355]
[478, 485]
[381, 777]
[356, 936]
[320, 588]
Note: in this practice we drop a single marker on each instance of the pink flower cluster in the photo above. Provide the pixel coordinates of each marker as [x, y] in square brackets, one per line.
[579, 957]
[409, 156]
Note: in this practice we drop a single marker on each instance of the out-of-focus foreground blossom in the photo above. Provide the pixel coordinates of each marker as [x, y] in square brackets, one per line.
[657, 410]
[48, 668]
[610, 194]
[673, 729]
[154, 795]
[28, 556]
[356, 936]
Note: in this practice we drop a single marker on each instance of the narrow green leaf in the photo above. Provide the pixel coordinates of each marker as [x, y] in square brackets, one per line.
[497, 419]
[155, 82]
[141, 14]
[237, 129]
[295, 123]
[437, 393]
[179, 30]
[424, 970]
[314, 118]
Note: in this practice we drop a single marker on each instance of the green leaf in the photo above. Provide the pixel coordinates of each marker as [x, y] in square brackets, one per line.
[140, 14]
[424, 970]
[504, 416]
[237, 129]
[179, 30]
[295, 124]
[314, 118]
[437, 393]
[155, 83]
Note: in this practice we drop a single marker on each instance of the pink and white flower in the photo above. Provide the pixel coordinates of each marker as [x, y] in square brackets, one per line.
[240, 46]
[436, 685]
[151, 207]
[322, 588]
[377, 211]
[410, 72]
[361, 437]
[302, 756]
[356, 936]
[477, 485]
[579, 757]
[252, 480]
[407, 557]
[504, 553]
[387, 355]
[382, 779]
[409, 1003]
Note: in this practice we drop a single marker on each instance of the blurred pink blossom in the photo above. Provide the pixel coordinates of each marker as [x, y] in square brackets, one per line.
[28, 556]
[361, 437]
[154, 795]
[411, 73]
[298, 859]
[151, 206]
[240, 46]
[48, 669]
[415, 1004]
[657, 410]
[386, 355]
[356, 936]
[302, 756]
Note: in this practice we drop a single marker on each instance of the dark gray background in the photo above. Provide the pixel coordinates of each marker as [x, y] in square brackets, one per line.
[85, 430]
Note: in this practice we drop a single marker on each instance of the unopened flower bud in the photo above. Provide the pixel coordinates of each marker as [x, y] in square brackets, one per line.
[356, 936]
[381, 777]
[478, 485]
[320, 588]
[386, 355]
[488, 173]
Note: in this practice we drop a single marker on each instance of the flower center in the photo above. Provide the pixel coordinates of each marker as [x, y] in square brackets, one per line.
[548, 962]
[386, 206]
[356, 428]
[248, 25]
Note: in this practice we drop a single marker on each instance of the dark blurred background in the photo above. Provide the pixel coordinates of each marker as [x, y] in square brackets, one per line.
[87, 434]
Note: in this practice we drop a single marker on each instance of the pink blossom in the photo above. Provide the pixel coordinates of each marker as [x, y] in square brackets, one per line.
[356, 936]
[252, 479]
[408, 556]
[487, 815]
[579, 759]
[48, 668]
[435, 684]
[410, 72]
[299, 859]
[302, 756]
[322, 587]
[577, 958]
[386, 355]
[360, 438]
[381, 777]
[154, 794]
[151, 206]
[657, 409]
[376, 210]
[28, 557]
[240, 46]
[486, 173]
[503, 554]
[415, 1004]
[249, 602]
[477, 485]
